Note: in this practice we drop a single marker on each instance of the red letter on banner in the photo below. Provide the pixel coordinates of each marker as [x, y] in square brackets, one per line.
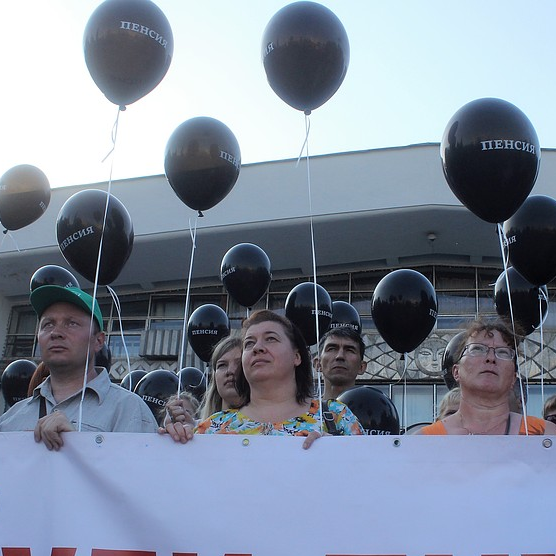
[56, 551]
[108, 552]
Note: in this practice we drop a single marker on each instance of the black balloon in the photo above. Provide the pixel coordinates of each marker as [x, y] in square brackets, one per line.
[202, 162]
[130, 381]
[305, 53]
[345, 315]
[15, 380]
[155, 388]
[531, 239]
[246, 274]
[79, 228]
[529, 303]
[206, 326]
[490, 156]
[300, 309]
[128, 46]
[53, 275]
[449, 358]
[192, 380]
[375, 411]
[24, 196]
[404, 309]
[103, 357]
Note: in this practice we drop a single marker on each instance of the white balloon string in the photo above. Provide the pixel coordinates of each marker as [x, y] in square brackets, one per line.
[193, 234]
[523, 404]
[542, 296]
[114, 135]
[403, 375]
[124, 344]
[8, 233]
[97, 272]
[403, 357]
[320, 395]
[503, 241]
[524, 389]
[505, 258]
[313, 256]
[404, 410]
[306, 141]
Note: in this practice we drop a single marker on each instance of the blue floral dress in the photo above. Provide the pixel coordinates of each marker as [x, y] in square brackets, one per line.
[232, 421]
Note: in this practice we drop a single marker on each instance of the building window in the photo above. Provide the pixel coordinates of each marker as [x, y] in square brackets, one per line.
[20, 340]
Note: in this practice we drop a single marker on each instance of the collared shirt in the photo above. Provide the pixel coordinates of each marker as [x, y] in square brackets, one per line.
[107, 407]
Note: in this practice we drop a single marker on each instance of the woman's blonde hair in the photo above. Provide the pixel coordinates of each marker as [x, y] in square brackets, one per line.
[451, 398]
[212, 400]
[549, 406]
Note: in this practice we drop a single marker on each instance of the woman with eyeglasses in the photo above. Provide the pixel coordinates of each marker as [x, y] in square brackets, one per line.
[486, 372]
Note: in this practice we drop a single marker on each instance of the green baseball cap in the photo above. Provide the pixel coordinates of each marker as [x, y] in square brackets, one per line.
[43, 297]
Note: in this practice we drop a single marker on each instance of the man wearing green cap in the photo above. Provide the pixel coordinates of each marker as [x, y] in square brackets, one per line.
[70, 334]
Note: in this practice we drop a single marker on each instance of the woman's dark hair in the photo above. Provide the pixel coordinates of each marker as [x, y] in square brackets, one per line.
[303, 372]
[343, 332]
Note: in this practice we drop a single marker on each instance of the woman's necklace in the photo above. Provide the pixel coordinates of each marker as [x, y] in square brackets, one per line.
[508, 422]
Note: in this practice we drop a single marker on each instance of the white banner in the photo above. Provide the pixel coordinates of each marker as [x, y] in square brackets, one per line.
[142, 495]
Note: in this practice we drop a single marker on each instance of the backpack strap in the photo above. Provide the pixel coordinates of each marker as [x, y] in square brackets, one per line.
[42, 407]
[328, 418]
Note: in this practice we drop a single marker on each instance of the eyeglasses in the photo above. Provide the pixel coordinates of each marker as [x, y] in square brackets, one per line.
[478, 350]
[551, 418]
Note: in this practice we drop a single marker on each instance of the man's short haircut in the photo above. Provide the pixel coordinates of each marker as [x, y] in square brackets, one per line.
[343, 332]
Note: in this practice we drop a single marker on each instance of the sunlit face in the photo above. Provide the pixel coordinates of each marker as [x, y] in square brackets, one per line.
[268, 353]
[226, 370]
[340, 361]
[65, 336]
[486, 373]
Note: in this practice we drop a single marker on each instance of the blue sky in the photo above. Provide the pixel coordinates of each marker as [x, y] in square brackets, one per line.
[412, 65]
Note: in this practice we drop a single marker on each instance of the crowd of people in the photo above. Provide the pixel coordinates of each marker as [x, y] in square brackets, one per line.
[262, 382]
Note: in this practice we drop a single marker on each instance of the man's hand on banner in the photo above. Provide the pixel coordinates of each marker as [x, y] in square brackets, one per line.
[49, 429]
